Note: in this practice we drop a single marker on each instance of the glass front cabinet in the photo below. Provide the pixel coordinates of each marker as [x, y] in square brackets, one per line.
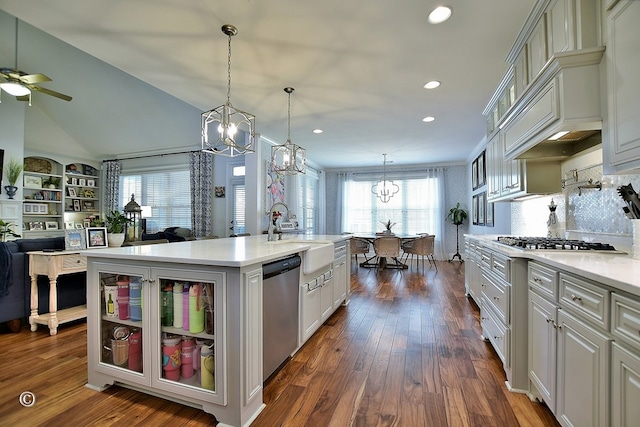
[161, 329]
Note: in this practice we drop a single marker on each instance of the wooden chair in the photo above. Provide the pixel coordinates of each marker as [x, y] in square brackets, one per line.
[360, 247]
[388, 247]
[422, 246]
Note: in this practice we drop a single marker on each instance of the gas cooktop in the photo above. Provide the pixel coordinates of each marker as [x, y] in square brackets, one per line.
[541, 243]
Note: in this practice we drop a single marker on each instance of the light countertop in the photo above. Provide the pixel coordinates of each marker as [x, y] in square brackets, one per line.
[228, 252]
[619, 271]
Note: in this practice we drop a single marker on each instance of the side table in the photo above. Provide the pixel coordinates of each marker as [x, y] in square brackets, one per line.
[52, 265]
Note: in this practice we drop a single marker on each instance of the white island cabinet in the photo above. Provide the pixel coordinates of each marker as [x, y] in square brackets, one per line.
[137, 297]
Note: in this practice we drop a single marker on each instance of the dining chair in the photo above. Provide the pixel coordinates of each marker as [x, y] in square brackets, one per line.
[422, 247]
[388, 247]
[360, 247]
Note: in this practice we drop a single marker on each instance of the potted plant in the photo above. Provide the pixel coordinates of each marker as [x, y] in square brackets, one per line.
[388, 225]
[51, 182]
[115, 222]
[14, 169]
[457, 216]
[5, 230]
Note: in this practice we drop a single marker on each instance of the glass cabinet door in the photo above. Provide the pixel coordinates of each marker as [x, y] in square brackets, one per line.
[121, 319]
[188, 319]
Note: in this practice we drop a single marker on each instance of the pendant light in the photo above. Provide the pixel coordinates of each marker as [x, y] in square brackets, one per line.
[385, 189]
[220, 126]
[288, 158]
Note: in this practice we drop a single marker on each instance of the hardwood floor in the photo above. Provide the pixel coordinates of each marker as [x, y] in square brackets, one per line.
[406, 351]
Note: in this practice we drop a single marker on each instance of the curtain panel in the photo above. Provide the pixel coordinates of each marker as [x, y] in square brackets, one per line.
[111, 171]
[201, 177]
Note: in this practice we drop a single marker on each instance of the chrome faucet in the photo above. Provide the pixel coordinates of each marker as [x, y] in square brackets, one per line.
[272, 225]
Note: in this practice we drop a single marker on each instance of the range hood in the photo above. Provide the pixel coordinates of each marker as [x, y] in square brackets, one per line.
[559, 114]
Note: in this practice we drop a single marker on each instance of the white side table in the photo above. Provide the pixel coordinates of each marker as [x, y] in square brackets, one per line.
[52, 265]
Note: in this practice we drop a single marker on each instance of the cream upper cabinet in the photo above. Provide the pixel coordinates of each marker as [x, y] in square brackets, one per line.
[623, 87]
[537, 49]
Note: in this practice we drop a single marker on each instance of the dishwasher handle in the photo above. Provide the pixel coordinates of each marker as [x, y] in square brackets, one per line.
[281, 266]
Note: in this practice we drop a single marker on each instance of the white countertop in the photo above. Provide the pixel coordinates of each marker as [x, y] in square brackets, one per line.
[619, 271]
[229, 252]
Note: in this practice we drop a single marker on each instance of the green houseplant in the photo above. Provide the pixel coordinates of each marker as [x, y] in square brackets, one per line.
[14, 169]
[5, 230]
[115, 222]
[457, 216]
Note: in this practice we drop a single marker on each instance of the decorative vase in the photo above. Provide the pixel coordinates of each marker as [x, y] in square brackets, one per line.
[115, 240]
[11, 190]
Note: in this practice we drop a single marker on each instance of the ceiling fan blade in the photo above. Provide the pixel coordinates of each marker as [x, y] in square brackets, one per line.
[23, 98]
[34, 78]
[50, 92]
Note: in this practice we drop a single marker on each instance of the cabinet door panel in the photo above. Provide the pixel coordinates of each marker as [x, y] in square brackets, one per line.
[542, 347]
[582, 373]
[625, 381]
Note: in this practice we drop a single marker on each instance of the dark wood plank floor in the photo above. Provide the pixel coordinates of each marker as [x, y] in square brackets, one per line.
[405, 352]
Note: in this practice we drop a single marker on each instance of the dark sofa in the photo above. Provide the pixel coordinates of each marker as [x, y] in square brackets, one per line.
[17, 304]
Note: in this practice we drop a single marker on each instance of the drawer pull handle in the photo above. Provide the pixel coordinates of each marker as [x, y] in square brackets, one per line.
[556, 326]
[575, 298]
[486, 318]
[483, 285]
[496, 298]
[549, 320]
[151, 280]
[78, 261]
[495, 337]
[537, 280]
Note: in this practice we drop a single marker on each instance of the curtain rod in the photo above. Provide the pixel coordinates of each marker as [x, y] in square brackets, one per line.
[152, 155]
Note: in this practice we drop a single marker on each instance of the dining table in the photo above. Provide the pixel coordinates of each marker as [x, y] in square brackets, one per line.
[382, 261]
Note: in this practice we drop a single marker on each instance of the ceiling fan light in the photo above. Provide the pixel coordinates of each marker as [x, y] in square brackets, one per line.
[15, 89]
[440, 14]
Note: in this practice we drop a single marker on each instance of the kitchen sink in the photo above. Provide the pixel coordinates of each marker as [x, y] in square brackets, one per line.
[319, 255]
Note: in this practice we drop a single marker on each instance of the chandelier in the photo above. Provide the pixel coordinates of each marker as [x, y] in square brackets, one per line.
[385, 189]
[288, 158]
[220, 126]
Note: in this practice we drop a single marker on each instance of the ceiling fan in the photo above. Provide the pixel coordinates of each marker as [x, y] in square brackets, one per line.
[21, 85]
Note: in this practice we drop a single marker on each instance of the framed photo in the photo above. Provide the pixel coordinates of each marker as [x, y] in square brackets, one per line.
[489, 219]
[43, 209]
[482, 172]
[474, 209]
[74, 181]
[68, 226]
[474, 174]
[219, 191]
[74, 240]
[482, 203]
[72, 192]
[82, 182]
[32, 181]
[27, 208]
[51, 225]
[86, 223]
[87, 205]
[78, 226]
[76, 205]
[36, 226]
[91, 183]
[96, 237]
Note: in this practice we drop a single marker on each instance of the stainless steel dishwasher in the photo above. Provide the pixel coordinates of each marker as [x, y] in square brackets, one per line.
[280, 287]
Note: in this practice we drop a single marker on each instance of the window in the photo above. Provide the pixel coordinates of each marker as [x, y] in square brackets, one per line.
[413, 208]
[308, 193]
[167, 192]
[238, 208]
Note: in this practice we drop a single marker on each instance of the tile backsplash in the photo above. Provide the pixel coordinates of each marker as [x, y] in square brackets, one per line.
[583, 213]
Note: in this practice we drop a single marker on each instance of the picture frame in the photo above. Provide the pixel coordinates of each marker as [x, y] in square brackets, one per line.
[91, 183]
[86, 223]
[489, 215]
[27, 208]
[474, 174]
[51, 225]
[74, 181]
[474, 209]
[76, 205]
[82, 182]
[36, 226]
[96, 237]
[74, 240]
[72, 192]
[30, 181]
[69, 225]
[78, 226]
[219, 191]
[482, 171]
[43, 209]
[482, 203]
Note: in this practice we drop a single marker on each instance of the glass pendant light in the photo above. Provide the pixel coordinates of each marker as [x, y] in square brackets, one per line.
[220, 126]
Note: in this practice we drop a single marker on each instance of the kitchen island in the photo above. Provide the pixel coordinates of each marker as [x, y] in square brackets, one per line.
[140, 337]
[566, 325]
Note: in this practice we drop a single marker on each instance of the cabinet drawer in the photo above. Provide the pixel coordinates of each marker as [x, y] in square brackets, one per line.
[625, 315]
[494, 331]
[544, 280]
[585, 299]
[500, 266]
[74, 261]
[485, 258]
[497, 294]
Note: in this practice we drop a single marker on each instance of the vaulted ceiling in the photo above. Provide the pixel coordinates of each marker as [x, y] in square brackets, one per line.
[357, 67]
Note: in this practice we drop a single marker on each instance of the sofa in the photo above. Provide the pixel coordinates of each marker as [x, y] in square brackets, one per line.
[16, 305]
[172, 234]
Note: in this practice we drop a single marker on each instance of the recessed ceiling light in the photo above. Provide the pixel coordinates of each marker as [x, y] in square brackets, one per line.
[440, 14]
[317, 131]
[432, 84]
[428, 119]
